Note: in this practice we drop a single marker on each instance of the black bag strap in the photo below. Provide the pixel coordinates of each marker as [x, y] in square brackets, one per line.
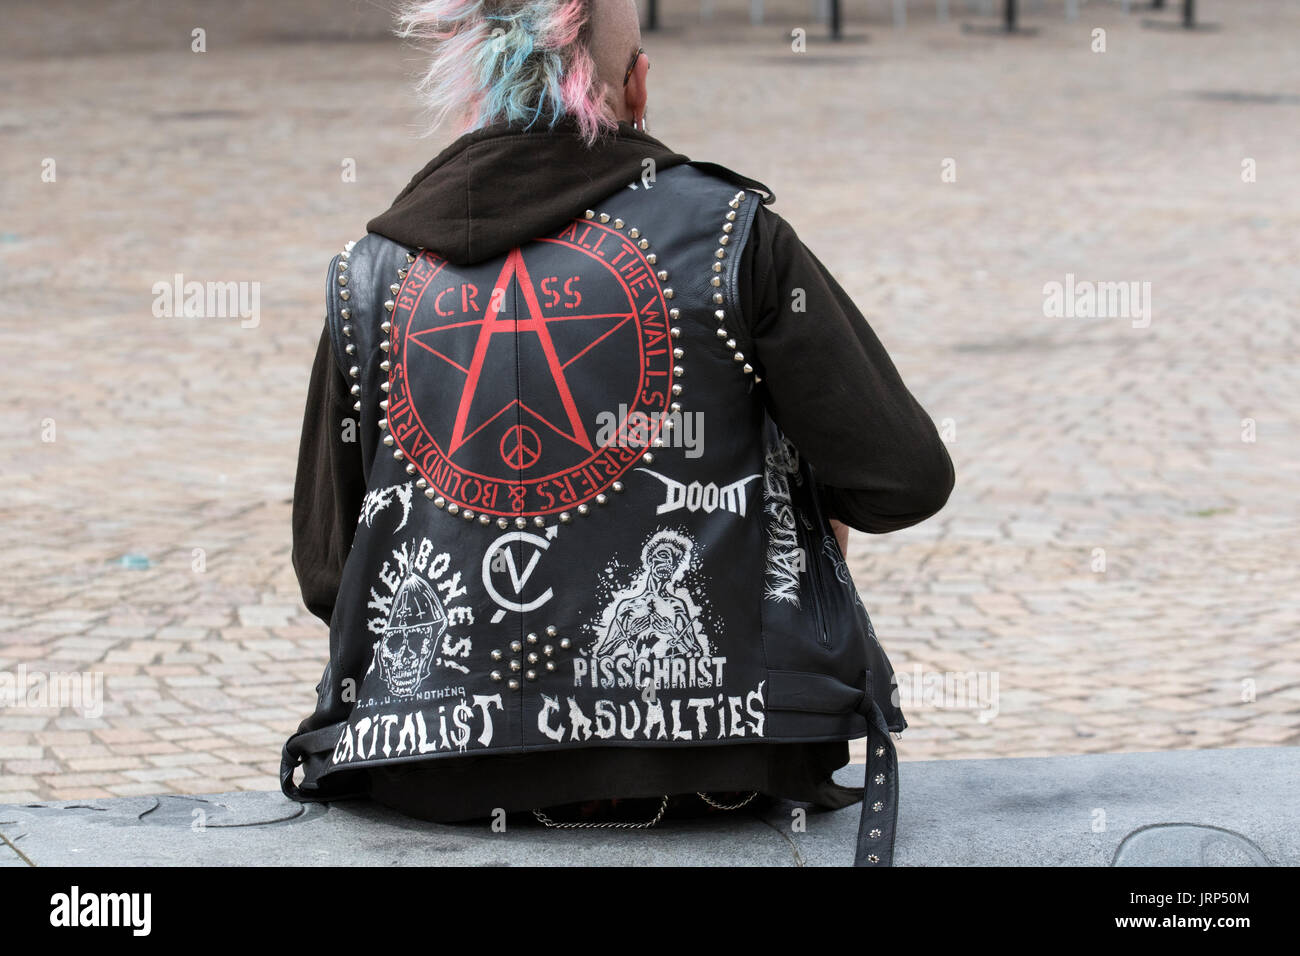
[878, 825]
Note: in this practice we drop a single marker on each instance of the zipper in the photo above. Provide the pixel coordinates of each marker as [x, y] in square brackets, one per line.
[813, 558]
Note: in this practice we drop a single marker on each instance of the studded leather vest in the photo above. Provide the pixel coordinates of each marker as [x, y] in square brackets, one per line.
[582, 529]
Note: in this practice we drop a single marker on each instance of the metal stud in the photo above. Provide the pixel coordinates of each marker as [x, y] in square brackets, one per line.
[467, 515]
[583, 509]
[634, 232]
[604, 217]
[679, 353]
[531, 675]
[453, 509]
[388, 305]
[724, 240]
[618, 487]
[643, 244]
[652, 258]
[877, 807]
[678, 371]
[534, 657]
[502, 523]
[549, 650]
[550, 667]
[394, 288]
[717, 298]
[747, 368]
[551, 630]
[668, 294]
[516, 666]
[676, 407]
[388, 440]
[663, 275]
[397, 455]
[618, 223]
[648, 458]
[591, 214]
[496, 676]
[484, 519]
[516, 646]
[872, 858]
[345, 295]
[675, 332]
[565, 517]
[343, 280]
[601, 499]
[727, 227]
[347, 330]
[874, 834]
[565, 643]
[880, 751]
[440, 502]
[532, 638]
[677, 390]
[513, 684]
[674, 314]
[722, 332]
[429, 492]
[521, 523]
[880, 778]
[497, 655]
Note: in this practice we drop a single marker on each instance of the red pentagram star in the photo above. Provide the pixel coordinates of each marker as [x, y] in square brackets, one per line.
[535, 322]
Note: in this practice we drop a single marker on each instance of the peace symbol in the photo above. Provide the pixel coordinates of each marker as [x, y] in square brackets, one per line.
[521, 446]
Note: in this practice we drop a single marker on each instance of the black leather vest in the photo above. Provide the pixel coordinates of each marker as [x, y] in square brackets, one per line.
[582, 528]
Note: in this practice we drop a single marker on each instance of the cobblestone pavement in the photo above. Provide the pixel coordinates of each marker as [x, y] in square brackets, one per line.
[149, 540]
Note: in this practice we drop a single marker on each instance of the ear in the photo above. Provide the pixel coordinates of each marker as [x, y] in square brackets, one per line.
[636, 93]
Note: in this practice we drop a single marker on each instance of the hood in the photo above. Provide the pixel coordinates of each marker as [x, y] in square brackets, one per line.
[498, 187]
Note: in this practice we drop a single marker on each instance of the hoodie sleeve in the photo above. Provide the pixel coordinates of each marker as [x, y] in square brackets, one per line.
[833, 391]
[329, 486]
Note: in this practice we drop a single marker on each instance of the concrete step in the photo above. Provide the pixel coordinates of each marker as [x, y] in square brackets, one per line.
[1187, 807]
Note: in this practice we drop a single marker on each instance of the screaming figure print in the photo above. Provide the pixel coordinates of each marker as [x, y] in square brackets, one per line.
[654, 617]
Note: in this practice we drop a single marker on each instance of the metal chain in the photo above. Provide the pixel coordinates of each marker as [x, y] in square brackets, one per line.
[547, 821]
[720, 806]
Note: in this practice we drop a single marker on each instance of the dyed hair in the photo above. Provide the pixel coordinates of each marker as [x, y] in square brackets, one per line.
[509, 61]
